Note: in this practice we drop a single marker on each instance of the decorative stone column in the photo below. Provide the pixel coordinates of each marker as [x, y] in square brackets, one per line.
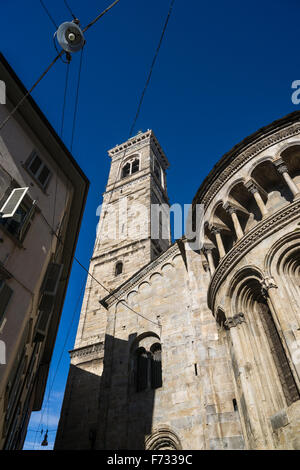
[247, 382]
[252, 188]
[219, 241]
[283, 320]
[237, 226]
[208, 251]
[283, 170]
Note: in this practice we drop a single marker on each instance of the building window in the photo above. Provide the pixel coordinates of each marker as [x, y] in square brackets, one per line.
[157, 170]
[119, 268]
[38, 170]
[126, 170]
[135, 166]
[131, 167]
[18, 222]
[148, 369]
[5, 295]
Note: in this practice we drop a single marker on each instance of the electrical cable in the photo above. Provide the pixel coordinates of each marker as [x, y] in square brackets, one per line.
[100, 16]
[30, 90]
[76, 100]
[151, 68]
[70, 11]
[73, 132]
[60, 358]
[141, 100]
[48, 13]
[52, 63]
[65, 99]
[111, 293]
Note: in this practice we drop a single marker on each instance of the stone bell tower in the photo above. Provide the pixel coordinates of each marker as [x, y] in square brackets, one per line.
[129, 236]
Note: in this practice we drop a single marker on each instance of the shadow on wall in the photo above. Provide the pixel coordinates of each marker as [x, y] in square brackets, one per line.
[114, 410]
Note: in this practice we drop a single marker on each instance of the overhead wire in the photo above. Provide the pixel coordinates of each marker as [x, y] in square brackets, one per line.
[4, 122]
[100, 16]
[141, 101]
[70, 10]
[151, 68]
[76, 100]
[73, 133]
[60, 358]
[49, 14]
[124, 155]
[30, 91]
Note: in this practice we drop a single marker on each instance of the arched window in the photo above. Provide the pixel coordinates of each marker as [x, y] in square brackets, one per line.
[135, 166]
[148, 369]
[132, 166]
[126, 170]
[119, 268]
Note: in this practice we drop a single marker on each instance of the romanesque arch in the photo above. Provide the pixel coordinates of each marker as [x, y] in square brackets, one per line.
[163, 438]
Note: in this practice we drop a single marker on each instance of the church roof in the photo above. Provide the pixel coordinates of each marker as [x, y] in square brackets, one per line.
[236, 151]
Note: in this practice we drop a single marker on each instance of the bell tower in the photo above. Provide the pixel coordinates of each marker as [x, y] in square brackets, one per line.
[133, 229]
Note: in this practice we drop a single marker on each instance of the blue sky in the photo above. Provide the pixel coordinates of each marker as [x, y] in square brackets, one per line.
[225, 69]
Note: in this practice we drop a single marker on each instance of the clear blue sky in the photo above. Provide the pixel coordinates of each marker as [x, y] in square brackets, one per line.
[225, 69]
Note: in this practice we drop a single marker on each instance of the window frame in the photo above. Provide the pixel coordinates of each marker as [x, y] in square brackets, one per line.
[130, 162]
[34, 154]
[29, 207]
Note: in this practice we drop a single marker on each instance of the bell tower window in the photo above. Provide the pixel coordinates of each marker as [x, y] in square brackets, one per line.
[131, 167]
[126, 170]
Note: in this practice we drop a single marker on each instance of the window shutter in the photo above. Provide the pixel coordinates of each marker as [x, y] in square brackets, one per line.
[5, 295]
[52, 278]
[12, 203]
[27, 221]
[41, 326]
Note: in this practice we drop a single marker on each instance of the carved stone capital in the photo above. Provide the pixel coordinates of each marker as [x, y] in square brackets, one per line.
[215, 230]
[237, 319]
[266, 284]
[251, 186]
[229, 208]
[280, 166]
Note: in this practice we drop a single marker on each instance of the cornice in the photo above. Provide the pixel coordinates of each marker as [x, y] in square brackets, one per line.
[118, 294]
[88, 352]
[263, 229]
[134, 142]
[234, 160]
